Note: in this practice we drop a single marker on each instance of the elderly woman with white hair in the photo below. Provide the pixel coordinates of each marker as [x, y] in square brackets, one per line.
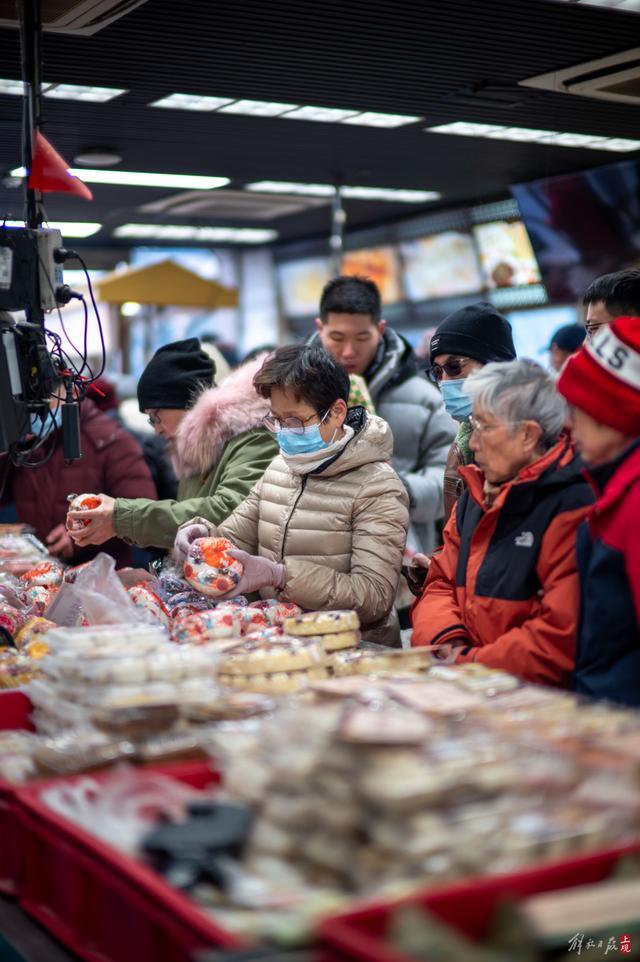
[503, 590]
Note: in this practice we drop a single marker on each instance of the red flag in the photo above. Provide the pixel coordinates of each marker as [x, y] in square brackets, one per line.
[50, 172]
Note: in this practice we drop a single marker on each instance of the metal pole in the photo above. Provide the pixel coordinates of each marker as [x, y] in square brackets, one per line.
[338, 220]
[30, 39]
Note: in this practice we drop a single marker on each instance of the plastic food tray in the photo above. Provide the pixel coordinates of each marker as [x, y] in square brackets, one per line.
[15, 709]
[360, 934]
[102, 904]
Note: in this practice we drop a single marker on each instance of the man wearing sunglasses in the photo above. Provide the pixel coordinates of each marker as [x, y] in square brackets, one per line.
[463, 343]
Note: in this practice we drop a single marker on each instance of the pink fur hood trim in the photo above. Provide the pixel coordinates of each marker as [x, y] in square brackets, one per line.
[219, 414]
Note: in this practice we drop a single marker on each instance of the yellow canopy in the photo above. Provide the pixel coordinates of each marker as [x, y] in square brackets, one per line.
[164, 284]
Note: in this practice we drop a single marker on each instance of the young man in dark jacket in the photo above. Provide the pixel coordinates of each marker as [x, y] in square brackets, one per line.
[351, 328]
[602, 385]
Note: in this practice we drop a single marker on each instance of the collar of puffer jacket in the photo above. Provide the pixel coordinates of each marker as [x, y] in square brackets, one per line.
[372, 441]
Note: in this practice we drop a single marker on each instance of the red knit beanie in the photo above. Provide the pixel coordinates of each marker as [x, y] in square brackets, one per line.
[603, 378]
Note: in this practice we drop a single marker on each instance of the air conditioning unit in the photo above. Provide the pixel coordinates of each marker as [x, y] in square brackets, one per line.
[615, 78]
[78, 17]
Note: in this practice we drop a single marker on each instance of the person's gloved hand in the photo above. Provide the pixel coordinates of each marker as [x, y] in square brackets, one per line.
[258, 573]
[185, 538]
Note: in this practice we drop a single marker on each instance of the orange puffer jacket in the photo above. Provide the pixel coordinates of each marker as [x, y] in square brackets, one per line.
[504, 587]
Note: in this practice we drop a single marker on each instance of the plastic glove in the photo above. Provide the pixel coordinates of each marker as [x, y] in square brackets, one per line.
[187, 534]
[258, 573]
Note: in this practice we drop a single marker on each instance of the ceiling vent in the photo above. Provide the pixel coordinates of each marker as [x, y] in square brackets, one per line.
[614, 78]
[232, 205]
[79, 17]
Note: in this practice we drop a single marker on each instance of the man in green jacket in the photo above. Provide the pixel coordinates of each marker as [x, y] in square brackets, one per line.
[218, 445]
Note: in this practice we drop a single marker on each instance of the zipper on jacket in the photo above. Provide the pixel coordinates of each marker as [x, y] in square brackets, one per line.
[295, 505]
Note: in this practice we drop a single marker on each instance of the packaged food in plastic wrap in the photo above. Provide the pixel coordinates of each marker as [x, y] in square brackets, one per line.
[19, 552]
[81, 502]
[11, 619]
[47, 574]
[80, 750]
[16, 669]
[277, 666]
[147, 600]
[210, 569]
[198, 628]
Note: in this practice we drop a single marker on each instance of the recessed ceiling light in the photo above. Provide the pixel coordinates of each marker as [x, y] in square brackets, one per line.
[191, 102]
[533, 135]
[66, 228]
[240, 235]
[14, 88]
[257, 108]
[370, 118]
[136, 178]
[399, 195]
[321, 115]
[98, 157]
[99, 95]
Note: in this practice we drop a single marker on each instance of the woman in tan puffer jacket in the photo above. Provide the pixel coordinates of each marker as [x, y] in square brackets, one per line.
[326, 525]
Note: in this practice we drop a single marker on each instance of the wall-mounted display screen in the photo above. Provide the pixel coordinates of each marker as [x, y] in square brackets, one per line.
[532, 329]
[506, 254]
[300, 284]
[381, 265]
[583, 225]
[441, 265]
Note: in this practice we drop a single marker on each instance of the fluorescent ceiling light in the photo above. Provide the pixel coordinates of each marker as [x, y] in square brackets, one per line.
[271, 108]
[65, 91]
[399, 195]
[191, 102]
[136, 178]
[257, 108]
[242, 235]
[12, 87]
[67, 228]
[370, 118]
[632, 6]
[99, 95]
[321, 115]
[289, 187]
[533, 135]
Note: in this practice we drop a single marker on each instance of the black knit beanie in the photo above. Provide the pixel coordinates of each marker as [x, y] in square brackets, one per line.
[477, 331]
[174, 374]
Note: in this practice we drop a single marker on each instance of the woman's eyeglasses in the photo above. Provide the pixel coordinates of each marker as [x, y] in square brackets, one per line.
[154, 418]
[452, 368]
[295, 425]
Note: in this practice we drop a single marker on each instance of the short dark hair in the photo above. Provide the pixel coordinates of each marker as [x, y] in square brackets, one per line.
[620, 292]
[309, 371]
[351, 295]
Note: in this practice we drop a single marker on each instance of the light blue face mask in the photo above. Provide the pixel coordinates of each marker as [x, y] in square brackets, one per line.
[53, 420]
[458, 404]
[308, 443]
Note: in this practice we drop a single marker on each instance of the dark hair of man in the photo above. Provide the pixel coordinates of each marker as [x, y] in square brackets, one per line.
[619, 292]
[351, 295]
[308, 371]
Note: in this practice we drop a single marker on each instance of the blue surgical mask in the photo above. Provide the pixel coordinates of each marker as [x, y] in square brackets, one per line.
[53, 420]
[307, 443]
[457, 403]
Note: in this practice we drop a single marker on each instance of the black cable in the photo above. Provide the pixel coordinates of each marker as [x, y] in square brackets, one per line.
[69, 254]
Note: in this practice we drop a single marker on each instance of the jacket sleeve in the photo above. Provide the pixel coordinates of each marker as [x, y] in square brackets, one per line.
[425, 482]
[436, 617]
[380, 521]
[542, 649]
[155, 523]
[632, 547]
